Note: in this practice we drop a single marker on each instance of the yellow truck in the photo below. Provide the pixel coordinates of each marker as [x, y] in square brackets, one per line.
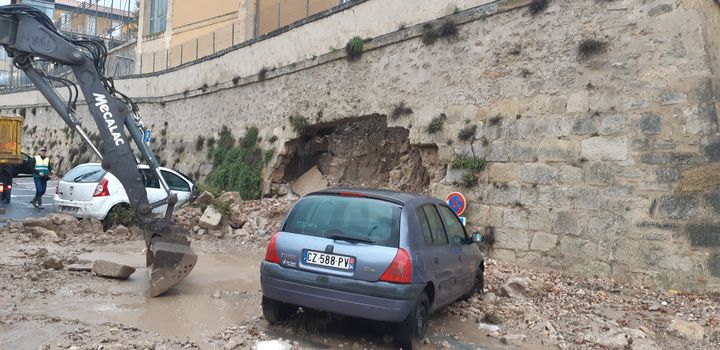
[11, 157]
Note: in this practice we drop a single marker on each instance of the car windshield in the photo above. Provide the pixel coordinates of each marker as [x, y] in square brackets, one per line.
[85, 173]
[353, 219]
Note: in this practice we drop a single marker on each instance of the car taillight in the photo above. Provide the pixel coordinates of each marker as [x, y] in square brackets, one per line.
[271, 254]
[2, 188]
[400, 268]
[351, 194]
[101, 190]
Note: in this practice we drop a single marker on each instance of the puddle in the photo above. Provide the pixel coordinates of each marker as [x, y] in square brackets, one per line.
[222, 290]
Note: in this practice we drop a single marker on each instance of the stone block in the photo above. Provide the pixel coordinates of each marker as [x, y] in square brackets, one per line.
[699, 119]
[586, 125]
[714, 264]
[554, 150]
[543, 241]
[113, 270]
[712, 201]
[660, 9]
[522, 152]
[502, 172]
[570, 175]
[613, 125]
[704, 235]
[455, 176]
[578, 102]
[570, 223]
[672, 97]
[711, 150]
[540, 219]
[680, 207]
[668, 158]
[667, 175]
[599, 173]
[650, 124]
[590, 199]
[512, 239]
[205, 198]
[605, 148]
[499, 152]
[561, 126]
[502, 194]
[503, 254]
[602, 225]
[536, 173]
[571, 246]
[702, 178]
[496, 216]
[515, 218]
[211, 218]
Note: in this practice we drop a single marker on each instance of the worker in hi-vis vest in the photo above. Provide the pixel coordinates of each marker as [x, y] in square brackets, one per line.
[41, 175]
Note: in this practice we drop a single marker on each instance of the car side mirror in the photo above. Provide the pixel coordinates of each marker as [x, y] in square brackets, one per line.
[476, 237]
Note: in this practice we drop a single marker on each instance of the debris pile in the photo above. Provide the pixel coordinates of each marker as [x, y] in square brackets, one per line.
[522, 307]
[249, 223]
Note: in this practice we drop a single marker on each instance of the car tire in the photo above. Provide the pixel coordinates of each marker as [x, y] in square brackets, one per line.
[478, 284]
[411, 332]
[276, 311]
[107, 223]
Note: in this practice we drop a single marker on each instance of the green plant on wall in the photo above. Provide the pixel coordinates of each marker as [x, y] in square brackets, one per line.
[436, 124]
[354, 48]
[238, 168]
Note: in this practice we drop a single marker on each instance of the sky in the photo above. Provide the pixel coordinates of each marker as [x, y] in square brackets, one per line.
[117, 3]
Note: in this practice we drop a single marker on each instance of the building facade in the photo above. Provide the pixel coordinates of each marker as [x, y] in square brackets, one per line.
[175, 32]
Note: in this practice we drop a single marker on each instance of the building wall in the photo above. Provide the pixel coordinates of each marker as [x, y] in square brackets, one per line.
[605, 165]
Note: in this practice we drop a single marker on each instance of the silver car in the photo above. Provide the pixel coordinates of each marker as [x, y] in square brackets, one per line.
[375, 254]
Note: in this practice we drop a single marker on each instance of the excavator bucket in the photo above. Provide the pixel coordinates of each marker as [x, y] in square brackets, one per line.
[169, 262]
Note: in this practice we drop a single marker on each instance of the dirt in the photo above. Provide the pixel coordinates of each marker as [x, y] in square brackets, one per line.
[46, 303]
[362, 152]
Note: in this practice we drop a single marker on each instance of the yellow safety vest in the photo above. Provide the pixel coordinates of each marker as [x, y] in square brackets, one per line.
[42, 166]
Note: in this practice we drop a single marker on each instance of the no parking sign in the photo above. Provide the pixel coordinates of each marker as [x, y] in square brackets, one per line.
[457, 203]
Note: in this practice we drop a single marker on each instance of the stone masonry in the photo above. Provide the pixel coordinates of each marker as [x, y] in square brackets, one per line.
[604, 163]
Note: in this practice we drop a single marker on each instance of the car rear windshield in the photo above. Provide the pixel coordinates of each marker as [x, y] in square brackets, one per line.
[86, 173]
[357, 219]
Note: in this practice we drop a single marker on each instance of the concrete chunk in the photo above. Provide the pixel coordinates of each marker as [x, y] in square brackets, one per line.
[211, 218]
[113, 270]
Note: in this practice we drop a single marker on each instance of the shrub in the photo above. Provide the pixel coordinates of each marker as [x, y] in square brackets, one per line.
[436, 124]
[537, 6]
[468, 162]
[428, 34]
[447, 29]
[495, 120]
[590, 47]
[298, 123]
[400, 110]
[262, 74]
[221, 207]
[122, 215]
[470, 179]
[354, 48]
[238, 168]
[467, 133]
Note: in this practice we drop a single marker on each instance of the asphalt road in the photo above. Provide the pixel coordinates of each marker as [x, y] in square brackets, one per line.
[24, 191]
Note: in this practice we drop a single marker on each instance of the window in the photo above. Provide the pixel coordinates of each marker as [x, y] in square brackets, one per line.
[91, 26]
[454, 227]
[158, 12]
[437, 232]
[151, 180]
[65, 21]
[85, 173]
[361, 218]
[174, 182]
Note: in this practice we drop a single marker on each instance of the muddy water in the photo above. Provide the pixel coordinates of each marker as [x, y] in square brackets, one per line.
[221, 291]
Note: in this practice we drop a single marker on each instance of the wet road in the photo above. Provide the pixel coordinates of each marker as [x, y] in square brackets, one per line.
[24, 191]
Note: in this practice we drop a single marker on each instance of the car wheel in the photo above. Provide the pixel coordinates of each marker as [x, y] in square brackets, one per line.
[276, 311]
[477, 286]
[108, 222]
[411, 332]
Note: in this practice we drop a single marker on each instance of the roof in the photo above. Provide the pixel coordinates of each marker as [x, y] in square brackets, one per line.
[388, 195]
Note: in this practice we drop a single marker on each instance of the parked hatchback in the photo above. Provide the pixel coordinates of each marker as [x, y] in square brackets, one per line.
[375, 254]
[88, 191]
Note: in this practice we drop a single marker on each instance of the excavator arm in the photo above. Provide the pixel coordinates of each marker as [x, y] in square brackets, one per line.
[30, 37]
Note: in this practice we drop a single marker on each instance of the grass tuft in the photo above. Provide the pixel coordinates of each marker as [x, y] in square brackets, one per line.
[400, 110]
[298, 124]
[436, 124]
[467, 133]
[537, 6]
[468, 162]
[354, 48]
[590, 47]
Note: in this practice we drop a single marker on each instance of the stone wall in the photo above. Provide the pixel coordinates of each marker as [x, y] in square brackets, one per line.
[599, 163]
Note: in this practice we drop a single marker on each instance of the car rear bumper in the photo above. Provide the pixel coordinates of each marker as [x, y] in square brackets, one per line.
[79, 209]
[379, 301]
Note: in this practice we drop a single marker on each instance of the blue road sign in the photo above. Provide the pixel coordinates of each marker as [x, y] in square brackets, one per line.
[147, 136]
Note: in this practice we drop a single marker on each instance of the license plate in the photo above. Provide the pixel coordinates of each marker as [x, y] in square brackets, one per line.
[67, 209]
[328, 260]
